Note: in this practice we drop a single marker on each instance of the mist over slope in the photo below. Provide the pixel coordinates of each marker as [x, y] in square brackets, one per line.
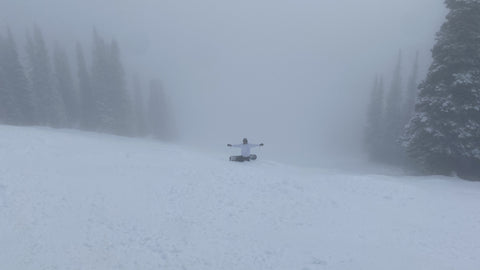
[78, 200]
[288, 72]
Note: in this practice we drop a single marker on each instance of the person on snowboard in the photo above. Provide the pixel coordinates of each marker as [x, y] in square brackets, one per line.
[245, 146]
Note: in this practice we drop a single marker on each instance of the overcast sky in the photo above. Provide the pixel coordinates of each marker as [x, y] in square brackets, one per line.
[294, 74]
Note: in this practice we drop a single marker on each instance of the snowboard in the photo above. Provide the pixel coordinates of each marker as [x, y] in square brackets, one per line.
[242, 159]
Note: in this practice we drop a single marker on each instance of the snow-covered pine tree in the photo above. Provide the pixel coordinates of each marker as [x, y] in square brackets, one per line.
[65, 86]
[18, 99]
[375, 121]
[444, 133]
[394, 120]
[49, 106]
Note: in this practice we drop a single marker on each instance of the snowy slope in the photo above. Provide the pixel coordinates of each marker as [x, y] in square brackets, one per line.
[76, 200]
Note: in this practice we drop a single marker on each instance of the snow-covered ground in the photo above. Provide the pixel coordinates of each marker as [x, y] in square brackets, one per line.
[77, 200]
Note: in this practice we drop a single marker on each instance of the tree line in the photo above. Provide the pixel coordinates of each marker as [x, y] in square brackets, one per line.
[40, 88]
[434, 126]
[389, 111]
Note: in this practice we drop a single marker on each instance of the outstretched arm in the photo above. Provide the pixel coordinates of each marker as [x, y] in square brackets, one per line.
[256, 145]
[235, 145]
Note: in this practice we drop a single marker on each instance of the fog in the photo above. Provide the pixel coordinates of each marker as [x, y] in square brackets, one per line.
[293, 74]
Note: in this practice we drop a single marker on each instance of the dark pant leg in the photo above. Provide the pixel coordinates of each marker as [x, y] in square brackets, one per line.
[236, 158]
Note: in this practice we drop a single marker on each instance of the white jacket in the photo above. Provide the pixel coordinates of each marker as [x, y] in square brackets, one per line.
[245, 148]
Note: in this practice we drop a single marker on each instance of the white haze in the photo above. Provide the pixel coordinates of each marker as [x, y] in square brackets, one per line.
[294, 74]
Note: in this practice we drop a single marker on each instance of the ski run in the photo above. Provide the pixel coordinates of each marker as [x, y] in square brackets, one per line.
[79, 200]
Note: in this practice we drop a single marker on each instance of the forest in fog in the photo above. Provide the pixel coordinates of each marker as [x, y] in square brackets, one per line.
[43, 85]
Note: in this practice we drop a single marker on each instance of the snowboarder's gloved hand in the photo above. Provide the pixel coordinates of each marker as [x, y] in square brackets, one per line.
[229, 145]
[261, 144]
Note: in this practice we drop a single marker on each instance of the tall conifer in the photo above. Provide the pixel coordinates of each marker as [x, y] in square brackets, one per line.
[412, 91]
[17, 83]
[394, 120]
[444, 133]
[375, 121]
[65, 86]
[87, 105]
[50, 109]
[158, 118]
[138, 108]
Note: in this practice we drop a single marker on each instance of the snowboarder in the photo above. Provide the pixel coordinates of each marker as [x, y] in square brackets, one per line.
[245, 146]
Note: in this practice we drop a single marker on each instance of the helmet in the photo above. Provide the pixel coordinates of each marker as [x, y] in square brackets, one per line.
[245, 141]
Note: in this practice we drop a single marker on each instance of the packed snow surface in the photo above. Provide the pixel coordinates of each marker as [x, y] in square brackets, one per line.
[77, 200]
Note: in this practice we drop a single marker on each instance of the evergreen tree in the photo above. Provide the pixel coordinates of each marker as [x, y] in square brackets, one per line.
[444, 133]
[49, 106]
[120, 101]
[375, 121]
[16, 96]
[8, 109]
[109, 86]
[394, 120]
[138, 108]
[88, 111]
[3, 94]
[100, 84]
[158, 120]
[65, 86]
[412, 91]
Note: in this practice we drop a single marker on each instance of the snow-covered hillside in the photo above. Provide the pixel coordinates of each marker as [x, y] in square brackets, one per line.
[76, 200]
